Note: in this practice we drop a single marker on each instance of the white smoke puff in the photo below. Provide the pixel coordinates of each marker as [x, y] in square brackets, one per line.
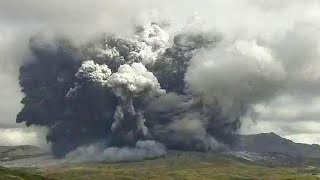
[154, 36]
[152, 41]
[91, 71]
[97, 153]
[141, 126]
[145, 47]
[242, 74]
[118, 117]
[73, 91]
[133, 81]
[110, 53]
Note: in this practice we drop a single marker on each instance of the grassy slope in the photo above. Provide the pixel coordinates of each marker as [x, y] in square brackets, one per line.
[191, 166]
[9, 174]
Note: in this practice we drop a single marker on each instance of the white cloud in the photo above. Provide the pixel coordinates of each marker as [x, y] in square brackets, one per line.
[24, 136]
[305, 138]
[291, 117]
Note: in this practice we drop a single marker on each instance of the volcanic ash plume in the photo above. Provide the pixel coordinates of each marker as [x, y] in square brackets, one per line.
[129, 98]
[129, 82]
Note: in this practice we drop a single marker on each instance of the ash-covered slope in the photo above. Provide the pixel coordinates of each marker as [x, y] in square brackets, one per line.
[263, 149]
[272, 143]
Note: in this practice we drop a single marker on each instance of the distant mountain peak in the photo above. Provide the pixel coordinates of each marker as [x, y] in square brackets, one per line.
[273, 143]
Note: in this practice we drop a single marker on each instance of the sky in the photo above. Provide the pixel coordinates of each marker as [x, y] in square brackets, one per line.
[289, 29]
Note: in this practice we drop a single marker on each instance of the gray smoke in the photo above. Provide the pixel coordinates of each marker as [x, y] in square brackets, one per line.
[187, 79]
[99, 153]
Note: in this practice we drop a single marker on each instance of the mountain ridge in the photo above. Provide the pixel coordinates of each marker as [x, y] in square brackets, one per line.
[273, 143]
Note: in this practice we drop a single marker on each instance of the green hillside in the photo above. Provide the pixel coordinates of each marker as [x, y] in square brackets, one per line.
[9, 174]
[181, 165]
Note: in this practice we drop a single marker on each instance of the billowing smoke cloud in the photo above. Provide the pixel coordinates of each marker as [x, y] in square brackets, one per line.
[162, 78]
[99, 153]
[117, 93]
[235, 76]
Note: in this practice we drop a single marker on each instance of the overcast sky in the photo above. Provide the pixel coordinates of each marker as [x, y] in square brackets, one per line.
[290, 29]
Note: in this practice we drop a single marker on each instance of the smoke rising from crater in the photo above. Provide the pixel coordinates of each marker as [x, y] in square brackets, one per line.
[185, 79]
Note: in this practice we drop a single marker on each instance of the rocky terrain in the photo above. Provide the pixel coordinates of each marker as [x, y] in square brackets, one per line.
[265, 148]
[266, 156]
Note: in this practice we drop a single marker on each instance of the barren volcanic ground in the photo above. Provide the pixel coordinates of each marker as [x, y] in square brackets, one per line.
[176, 165]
